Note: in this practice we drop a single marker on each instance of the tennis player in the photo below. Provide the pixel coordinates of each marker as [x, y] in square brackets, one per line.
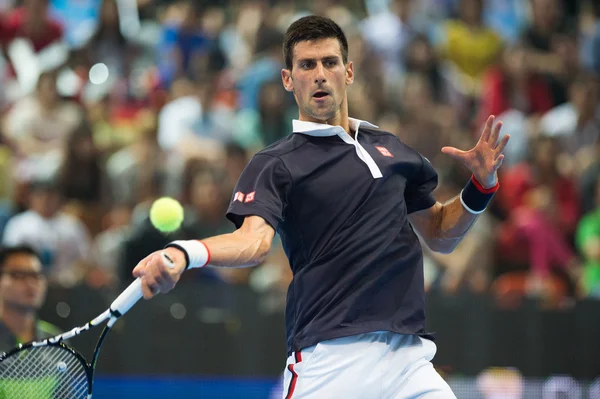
[347, 200]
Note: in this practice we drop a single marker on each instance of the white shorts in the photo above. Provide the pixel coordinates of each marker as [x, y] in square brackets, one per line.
[379, 365]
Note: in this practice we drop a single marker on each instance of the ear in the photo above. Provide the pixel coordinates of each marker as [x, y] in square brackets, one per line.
[286, 78]
[349, 73]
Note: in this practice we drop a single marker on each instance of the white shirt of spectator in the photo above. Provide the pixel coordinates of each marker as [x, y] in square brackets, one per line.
[64, 236]
[561, 122]
[176, 120]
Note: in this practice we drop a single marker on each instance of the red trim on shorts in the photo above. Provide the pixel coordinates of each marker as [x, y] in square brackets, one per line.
[298, 356]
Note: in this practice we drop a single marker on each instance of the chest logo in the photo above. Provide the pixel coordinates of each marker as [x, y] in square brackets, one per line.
[239, 196]
[250, 196]
[384, 151]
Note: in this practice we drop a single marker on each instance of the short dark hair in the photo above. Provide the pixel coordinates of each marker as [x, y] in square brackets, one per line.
[7, 252]
[312, 28]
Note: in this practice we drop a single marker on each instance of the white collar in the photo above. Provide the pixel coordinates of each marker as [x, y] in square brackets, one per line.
[324, 130]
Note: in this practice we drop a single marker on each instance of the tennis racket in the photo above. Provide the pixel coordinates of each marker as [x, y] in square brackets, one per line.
[49, 369]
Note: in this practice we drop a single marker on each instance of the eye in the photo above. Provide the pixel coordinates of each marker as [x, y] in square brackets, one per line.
[305, 64]
[331, 63]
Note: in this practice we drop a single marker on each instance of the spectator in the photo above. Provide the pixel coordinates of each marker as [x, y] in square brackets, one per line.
[576, 124]
[37, 128]
[265, 67]
[506, 17]
[107, 247]
[236, 159]
[513, 86]
[183, 44]
[469, 47]
[547, 246]
[82, 178]
[421, 58]
[31, 22]
[590, 45]
[135, 170]
[544, 38]
[588, 181]
[22, 294]
[588, 244]
[519, 96]
[388, 33]
[62, 241]
[178, 117]
[527, 209]
[267, 124]
[108, 44]
[542, 170]
[205, 200]
[420, 113]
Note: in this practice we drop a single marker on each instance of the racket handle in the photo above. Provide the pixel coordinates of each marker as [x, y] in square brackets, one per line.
[132, 294]
[127, 299]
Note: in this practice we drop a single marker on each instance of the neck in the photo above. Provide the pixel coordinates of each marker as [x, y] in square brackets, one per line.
[20, 323]
[340, 118]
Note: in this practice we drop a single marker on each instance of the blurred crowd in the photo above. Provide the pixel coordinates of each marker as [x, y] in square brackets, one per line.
[110, 104]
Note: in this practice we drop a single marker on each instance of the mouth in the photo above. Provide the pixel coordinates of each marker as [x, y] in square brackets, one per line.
[320, 94]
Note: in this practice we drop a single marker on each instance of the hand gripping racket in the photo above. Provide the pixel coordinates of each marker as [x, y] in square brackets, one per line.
[49, 369]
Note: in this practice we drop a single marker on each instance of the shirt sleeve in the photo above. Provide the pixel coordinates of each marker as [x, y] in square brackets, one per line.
[261, 191]
[418, 194]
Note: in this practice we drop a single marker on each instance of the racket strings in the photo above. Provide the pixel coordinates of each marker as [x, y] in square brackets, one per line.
[43, 372]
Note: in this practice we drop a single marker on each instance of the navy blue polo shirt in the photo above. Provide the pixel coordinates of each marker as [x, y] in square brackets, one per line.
[340, 206]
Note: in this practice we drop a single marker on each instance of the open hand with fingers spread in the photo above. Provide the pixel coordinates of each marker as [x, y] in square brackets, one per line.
[485, 158]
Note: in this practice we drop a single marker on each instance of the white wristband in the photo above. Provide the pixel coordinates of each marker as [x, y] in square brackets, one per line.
[196, 252]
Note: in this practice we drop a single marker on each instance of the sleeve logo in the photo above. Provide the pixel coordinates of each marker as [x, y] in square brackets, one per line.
[384, 151]
[250, 196]
[239, 196]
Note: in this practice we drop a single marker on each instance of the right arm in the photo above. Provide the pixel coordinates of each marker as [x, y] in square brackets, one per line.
[247, 246]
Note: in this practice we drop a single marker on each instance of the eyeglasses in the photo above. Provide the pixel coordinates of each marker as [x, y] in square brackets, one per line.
[20, 275]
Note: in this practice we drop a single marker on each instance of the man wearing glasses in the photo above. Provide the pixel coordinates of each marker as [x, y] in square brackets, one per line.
[22, 293]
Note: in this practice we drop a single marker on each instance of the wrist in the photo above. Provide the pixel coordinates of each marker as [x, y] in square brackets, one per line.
[475, 197]
[196, 252]
[485, 185]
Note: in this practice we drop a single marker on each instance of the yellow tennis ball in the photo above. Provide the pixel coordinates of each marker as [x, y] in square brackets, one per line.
[166, 214]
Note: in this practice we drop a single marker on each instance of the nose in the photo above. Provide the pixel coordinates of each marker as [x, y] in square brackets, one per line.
[320, 74]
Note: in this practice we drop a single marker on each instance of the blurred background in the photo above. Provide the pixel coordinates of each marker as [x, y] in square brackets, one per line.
[106, 105]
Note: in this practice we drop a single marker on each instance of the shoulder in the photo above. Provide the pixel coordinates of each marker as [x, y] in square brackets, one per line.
[283, 147]
[386, 138]
[27, 217]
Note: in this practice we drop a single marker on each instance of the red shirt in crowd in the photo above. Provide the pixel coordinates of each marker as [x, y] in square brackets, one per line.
[496, 96]
[518, 180]
[13, 26]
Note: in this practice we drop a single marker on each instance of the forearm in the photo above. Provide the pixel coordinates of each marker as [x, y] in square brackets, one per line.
[247, 246]
[454, 221]
[235, 250]
[444, 225]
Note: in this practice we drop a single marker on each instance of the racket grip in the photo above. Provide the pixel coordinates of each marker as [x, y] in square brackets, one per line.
[133, 293]
[127, 299]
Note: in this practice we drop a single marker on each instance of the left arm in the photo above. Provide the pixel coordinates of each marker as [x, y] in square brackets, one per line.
[443, 226]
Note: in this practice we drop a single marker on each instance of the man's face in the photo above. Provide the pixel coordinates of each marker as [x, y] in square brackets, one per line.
[318, 79]
[22, 284]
